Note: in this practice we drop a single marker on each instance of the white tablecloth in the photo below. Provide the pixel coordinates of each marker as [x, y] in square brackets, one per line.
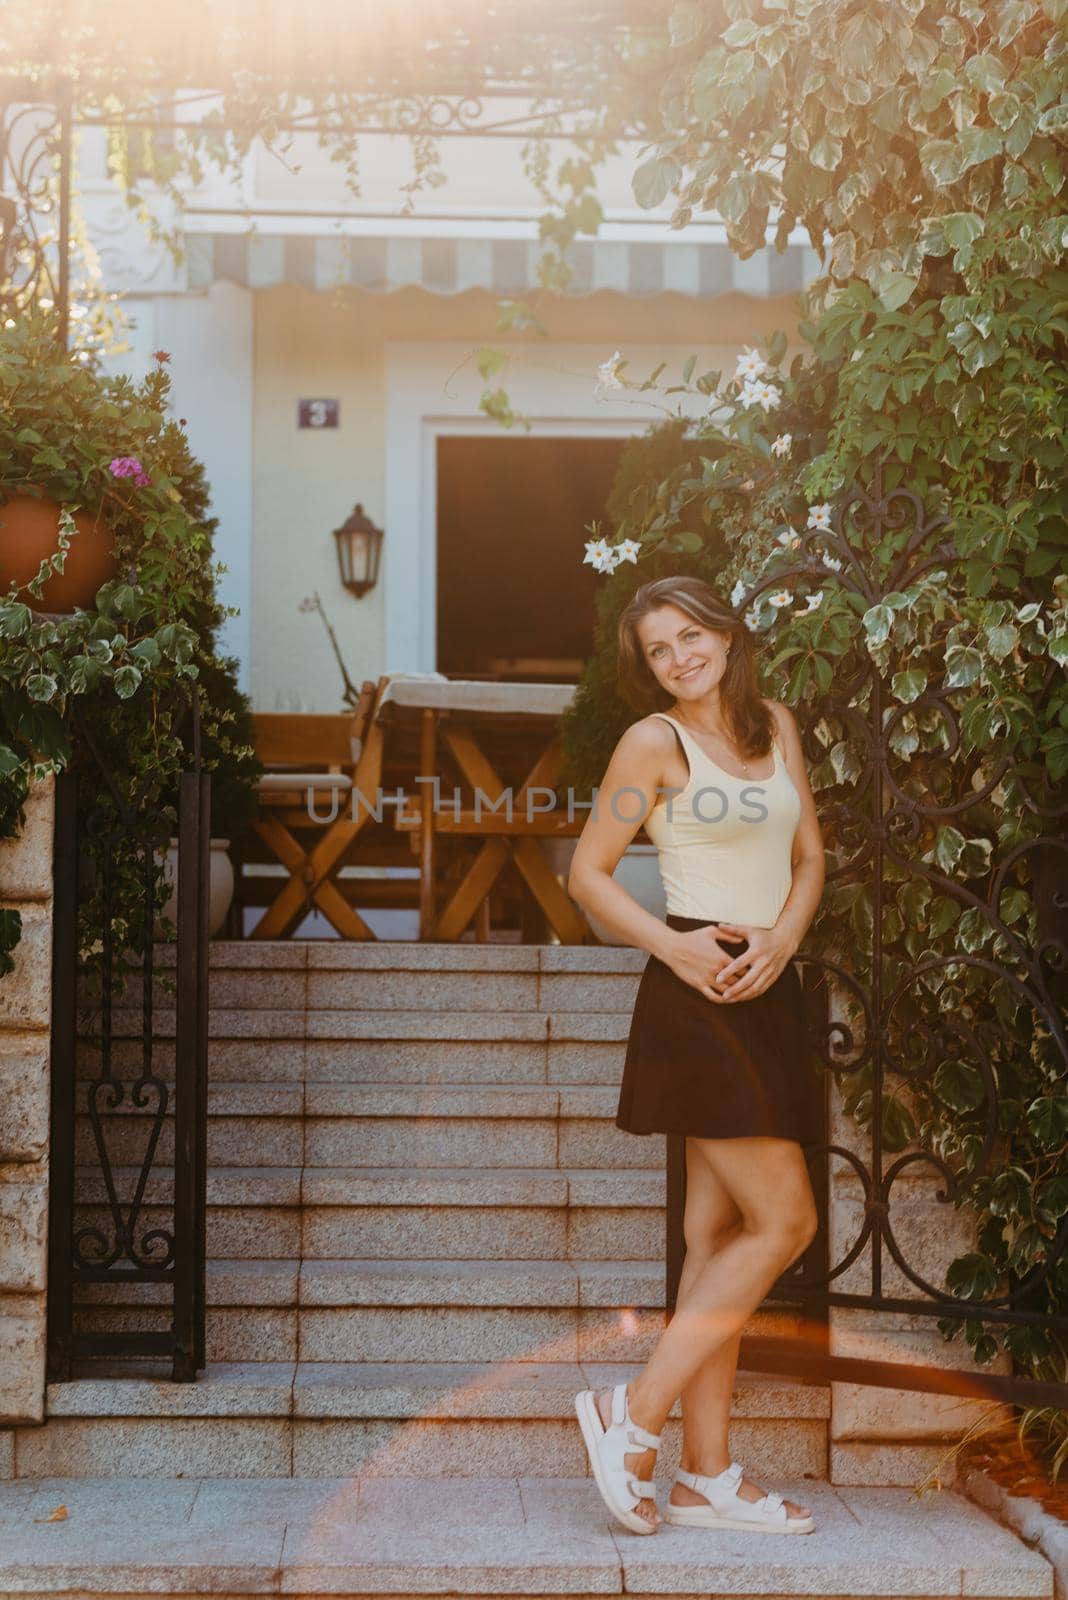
[433, 691]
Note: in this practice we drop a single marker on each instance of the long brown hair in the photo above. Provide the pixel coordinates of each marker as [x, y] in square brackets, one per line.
[747, 717]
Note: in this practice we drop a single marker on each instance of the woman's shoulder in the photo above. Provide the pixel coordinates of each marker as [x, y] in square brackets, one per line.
[648, 736]
[784, 727]
[781, 714]
[652, 730]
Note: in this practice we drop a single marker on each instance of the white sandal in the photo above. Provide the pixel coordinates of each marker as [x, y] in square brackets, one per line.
[726, 1508]
[607, 1448]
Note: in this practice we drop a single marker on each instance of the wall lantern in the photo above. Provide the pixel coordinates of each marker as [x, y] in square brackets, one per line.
[359, 546]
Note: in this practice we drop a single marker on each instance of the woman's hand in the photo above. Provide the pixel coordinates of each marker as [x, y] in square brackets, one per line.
[756, 968]
[698, 959]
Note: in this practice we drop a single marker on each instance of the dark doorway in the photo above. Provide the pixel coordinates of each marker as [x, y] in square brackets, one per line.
[514, 599]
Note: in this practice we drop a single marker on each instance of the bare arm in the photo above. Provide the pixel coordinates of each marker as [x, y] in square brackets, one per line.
[807, 858]
[627, 793]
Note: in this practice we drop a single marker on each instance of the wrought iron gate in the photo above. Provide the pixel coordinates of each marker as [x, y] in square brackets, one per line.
[877, 821]
[129, 1130]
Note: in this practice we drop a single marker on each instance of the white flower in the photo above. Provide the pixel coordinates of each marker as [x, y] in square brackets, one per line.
[832, 562]
[596, 550]
[813, 600]
[608, 562]
[737, 593]
[756, 393]
[750, 619]
[608, 373]
[789, 536]
[783, 598]
[820, 516]
[750, 364]
[781, 445]
[627, 550]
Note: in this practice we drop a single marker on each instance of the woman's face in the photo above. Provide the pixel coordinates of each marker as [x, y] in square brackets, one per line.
[686, 657]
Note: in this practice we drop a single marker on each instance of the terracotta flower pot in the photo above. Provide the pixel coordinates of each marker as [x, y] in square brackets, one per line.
[29, 531]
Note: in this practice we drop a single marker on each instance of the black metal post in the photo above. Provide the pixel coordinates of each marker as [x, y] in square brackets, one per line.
[63, 1073]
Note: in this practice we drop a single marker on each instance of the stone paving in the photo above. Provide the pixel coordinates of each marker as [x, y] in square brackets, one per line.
[485, 1536]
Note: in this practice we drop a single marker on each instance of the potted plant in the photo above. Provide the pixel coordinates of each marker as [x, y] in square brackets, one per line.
[104, 688]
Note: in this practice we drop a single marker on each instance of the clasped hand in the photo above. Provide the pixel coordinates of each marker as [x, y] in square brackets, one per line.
[700, 960]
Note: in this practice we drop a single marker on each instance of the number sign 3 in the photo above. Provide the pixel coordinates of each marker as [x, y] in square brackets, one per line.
[317, 413]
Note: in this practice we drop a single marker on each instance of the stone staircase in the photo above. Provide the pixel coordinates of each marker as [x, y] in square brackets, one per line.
[425, 1235]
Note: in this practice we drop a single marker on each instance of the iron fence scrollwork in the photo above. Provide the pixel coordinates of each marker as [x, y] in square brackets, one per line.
[129, 1111]
[874, 1014]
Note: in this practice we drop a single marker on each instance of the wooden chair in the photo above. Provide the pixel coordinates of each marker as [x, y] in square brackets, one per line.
[314, 762]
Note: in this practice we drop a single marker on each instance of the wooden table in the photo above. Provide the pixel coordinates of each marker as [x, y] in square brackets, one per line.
[463, 718]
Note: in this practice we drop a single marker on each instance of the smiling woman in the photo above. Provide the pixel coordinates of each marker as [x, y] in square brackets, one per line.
[712, 1054]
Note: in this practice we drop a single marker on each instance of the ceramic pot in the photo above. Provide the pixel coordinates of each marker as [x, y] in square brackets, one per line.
[29, 531]
[220, 884]
[637, 870]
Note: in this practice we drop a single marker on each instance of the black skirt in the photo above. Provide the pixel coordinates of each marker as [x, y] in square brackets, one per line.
[734, 1071]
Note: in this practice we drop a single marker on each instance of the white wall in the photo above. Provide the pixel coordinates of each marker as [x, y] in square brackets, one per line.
[210, 341]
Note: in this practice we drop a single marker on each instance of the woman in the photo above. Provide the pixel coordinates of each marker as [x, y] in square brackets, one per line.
[714, 1048]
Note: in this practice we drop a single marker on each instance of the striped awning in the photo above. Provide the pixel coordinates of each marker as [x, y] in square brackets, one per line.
[505, 267]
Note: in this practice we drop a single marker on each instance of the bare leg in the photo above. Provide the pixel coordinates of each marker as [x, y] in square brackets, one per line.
[768, 1183]
[711, 1219]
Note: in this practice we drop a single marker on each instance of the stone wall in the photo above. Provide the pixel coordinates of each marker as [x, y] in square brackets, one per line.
[25, 1021]
[894, 1436]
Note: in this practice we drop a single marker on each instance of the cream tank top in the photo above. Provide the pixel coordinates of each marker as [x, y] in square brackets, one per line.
[723, 842]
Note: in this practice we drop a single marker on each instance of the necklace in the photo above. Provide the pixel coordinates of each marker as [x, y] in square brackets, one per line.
[743, 764]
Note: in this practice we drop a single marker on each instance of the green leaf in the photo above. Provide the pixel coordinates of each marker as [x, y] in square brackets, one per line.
[490, 361]
[41, 686]
[1047, 1118]
[690, 542]
[962, 227]
[899, 1129]
[654, 180]
[1009, 1192]
[963, 666]
[859, 42]
[878, 621]
[959, 1085]
[740, 33]
[127, 681]
[978, 145]
[147, 651]
[949, 846]
[909, 685]
[943, 160]
[826, 153]
[972, 1277]
[895, 288]
[15, 618]
[1051, 1198]
[85, 674]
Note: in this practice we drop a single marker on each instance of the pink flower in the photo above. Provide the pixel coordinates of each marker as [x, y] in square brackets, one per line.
[142, 478]
[125, 467]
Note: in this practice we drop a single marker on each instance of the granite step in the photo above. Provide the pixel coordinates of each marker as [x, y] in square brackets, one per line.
[391, 1046]
[417, 1310]
[492, 1536]
[549, 1213]
[326, 1125]
[311, 1419]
